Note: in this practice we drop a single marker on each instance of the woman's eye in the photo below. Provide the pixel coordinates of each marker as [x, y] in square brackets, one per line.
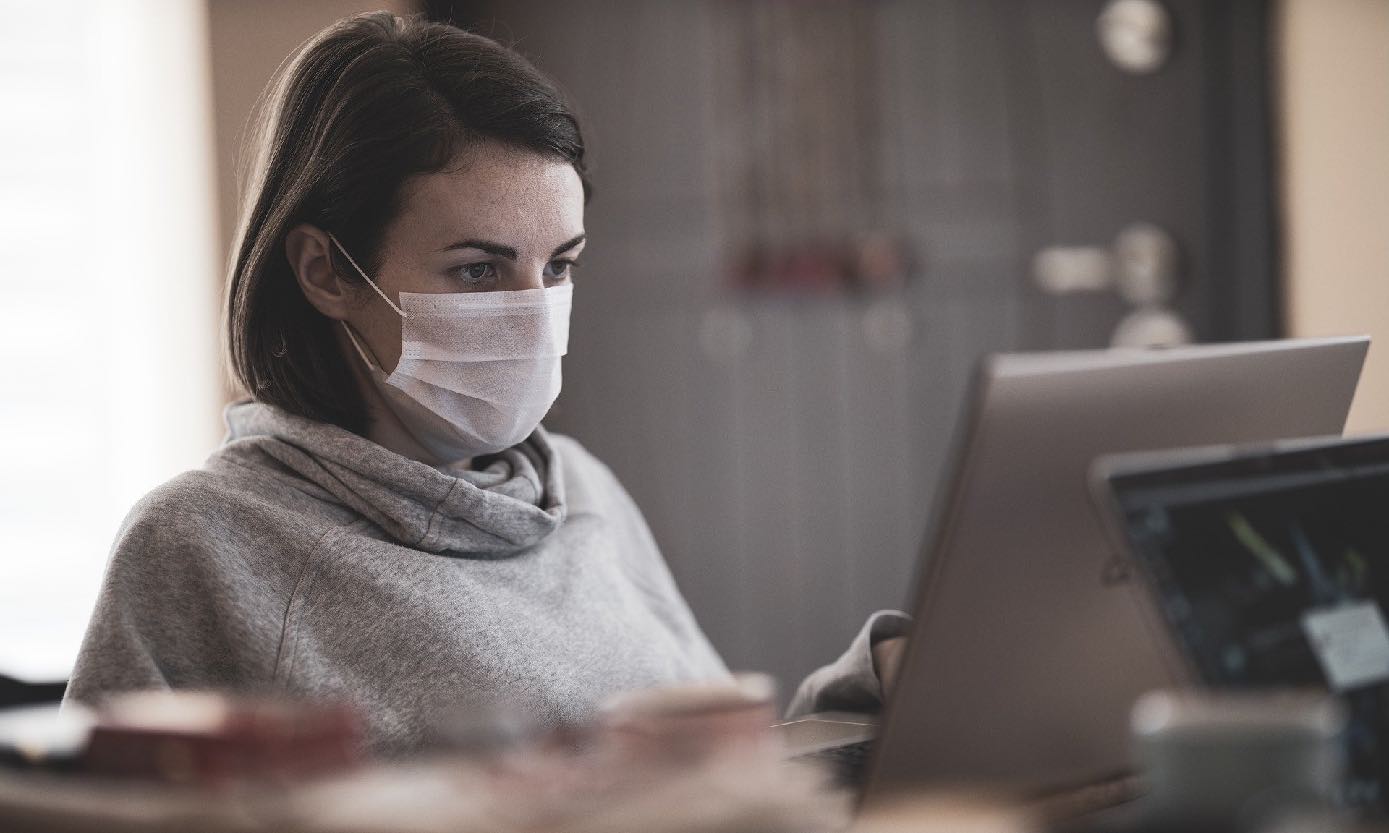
[559, 269]
[476, 272]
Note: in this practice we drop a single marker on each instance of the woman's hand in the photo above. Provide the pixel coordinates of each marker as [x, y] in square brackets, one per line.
[887, 661]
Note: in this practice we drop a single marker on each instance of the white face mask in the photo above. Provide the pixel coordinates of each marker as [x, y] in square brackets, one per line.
[478, 370]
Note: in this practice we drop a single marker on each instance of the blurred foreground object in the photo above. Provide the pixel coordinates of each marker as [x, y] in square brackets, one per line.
[480, 728]
[1237, 761]
[212, 739]
[690, 759]
[947, 813]
[690, 721]
[588, 792]
[44, 737]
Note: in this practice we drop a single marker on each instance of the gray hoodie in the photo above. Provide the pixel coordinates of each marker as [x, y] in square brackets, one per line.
[304, 559]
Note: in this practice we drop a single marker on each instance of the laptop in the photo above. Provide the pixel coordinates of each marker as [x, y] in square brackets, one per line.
[1269, 568]
[1026, 652]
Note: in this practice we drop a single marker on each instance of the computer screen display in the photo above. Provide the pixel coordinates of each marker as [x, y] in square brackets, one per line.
[1274, 572]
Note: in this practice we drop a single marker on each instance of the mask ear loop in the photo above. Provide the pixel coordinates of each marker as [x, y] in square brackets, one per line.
[352, 337]
[369, 281]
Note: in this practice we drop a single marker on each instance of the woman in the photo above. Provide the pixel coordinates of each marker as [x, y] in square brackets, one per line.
[386, 520]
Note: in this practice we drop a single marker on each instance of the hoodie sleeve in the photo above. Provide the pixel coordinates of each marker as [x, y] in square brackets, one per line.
[119, 650]
[850, 683]
[181, 604]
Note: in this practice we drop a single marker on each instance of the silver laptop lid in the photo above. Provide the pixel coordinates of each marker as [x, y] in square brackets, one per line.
[1024, 658]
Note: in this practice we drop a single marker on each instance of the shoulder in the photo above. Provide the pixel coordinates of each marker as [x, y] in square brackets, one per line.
[196, 499]
[205, 516]
[163, 532]
[179, 503]
[174, 518]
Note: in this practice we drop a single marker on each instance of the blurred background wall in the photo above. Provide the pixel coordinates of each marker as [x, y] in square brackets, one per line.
[1333, 64]
[811, 218]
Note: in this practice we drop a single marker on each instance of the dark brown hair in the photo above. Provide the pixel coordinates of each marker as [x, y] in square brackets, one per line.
[362, 106]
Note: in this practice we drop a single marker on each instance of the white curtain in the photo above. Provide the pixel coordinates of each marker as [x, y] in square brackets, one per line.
[109, 272]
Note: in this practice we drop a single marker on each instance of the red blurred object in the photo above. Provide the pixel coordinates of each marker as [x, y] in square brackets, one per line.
[209, 739]
[871, 262]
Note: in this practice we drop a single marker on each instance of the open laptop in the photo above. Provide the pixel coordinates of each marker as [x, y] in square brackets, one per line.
[1269, 568]
[1025, 653]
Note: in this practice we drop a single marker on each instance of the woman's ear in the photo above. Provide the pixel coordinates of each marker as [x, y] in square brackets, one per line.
[307, 248]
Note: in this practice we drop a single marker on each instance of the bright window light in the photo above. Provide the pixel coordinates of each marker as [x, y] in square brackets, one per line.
[109, 274]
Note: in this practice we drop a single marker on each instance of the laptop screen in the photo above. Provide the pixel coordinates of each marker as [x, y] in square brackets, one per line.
[1273, 571]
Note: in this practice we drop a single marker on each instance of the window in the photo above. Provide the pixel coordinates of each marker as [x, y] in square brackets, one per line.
[109, 274]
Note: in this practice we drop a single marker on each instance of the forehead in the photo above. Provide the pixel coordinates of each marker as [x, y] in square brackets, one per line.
[497, 193]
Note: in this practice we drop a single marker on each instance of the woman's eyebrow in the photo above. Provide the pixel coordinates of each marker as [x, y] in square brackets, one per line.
[506, 251]
[482, 245]
[564, 247]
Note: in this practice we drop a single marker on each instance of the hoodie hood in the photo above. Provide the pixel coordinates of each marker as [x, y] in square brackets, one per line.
[511, 505]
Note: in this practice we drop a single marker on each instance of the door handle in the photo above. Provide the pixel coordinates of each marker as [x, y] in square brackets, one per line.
[1143, 266]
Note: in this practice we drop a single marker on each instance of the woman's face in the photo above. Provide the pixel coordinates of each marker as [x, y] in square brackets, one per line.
[498, 219]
